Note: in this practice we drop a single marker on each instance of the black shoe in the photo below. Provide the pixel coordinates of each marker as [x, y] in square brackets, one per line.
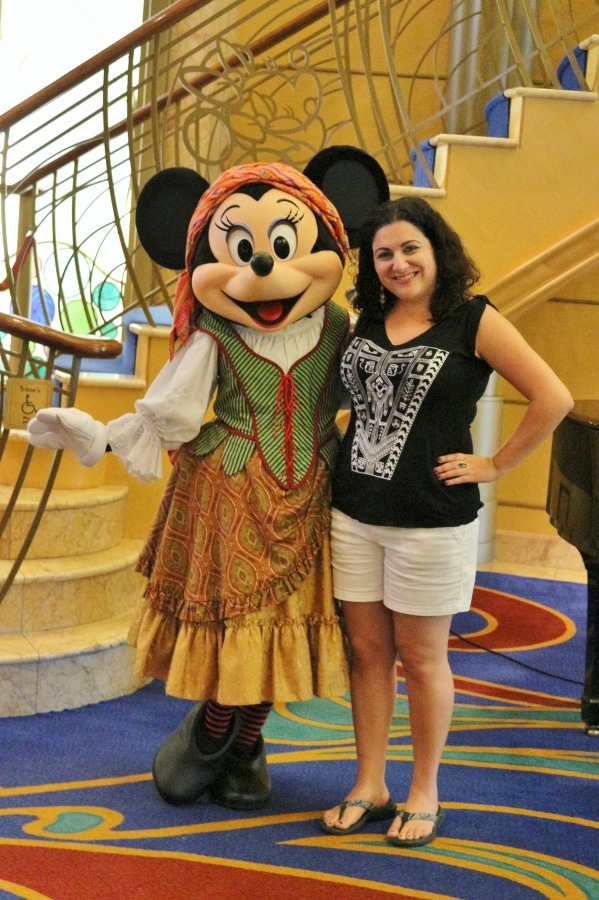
[181, 771]
[244, 782]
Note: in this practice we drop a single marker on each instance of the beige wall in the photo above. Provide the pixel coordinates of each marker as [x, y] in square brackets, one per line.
[565, 331]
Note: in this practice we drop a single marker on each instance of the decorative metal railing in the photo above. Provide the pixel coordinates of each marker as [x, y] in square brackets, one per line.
[213, 83]
[27, 362]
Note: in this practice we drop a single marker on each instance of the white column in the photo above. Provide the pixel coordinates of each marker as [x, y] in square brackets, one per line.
[486, 436]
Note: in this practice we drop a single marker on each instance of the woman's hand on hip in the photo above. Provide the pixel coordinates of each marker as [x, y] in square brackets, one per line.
[464, 468]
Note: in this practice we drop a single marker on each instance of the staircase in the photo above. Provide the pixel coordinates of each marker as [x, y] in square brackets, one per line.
[64, 621]
[534, 189]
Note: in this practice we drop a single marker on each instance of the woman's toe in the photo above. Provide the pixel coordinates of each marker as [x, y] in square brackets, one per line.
[396, 826]
[331, 817]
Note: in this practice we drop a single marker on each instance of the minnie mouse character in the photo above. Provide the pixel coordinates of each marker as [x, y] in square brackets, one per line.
[238, 612]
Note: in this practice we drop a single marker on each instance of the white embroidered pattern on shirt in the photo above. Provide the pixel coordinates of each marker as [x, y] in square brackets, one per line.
[386, 399]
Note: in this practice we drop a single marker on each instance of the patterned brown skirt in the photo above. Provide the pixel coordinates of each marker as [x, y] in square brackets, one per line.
[239, 603]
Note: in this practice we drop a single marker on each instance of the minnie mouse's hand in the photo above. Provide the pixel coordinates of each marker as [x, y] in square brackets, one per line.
[69, 429]
[462, 468]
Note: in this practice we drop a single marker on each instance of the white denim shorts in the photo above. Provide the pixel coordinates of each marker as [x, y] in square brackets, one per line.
[419, 571]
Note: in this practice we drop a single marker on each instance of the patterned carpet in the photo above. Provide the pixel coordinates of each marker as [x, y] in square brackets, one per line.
[80, 818]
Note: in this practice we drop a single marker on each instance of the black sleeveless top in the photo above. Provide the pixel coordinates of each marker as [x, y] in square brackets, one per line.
[411, 403]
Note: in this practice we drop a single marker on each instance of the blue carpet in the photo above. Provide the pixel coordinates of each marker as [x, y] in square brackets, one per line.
[519, 782]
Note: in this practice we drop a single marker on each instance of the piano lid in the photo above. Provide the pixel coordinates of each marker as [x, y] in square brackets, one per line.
[586, 412]
[573, 493]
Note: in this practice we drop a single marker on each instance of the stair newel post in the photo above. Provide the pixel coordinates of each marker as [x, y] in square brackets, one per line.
[486, 435]
[21, 286]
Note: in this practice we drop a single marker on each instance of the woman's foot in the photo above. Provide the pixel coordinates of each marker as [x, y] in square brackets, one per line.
[419, 819]
[355, 811]
[414, 829]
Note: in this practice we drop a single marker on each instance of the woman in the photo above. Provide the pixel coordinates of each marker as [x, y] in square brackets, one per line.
[405, 493]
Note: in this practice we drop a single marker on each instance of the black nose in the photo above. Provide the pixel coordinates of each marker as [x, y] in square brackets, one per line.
[262, 264]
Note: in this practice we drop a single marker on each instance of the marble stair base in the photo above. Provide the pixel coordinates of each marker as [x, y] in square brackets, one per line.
[65, 619]
[536, 555]
[537, 550]
[48, 671]
[75, 521]
[51, 594]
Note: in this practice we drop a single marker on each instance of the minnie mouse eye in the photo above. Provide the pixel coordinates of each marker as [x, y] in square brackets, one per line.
[283, 240]
[241, 247]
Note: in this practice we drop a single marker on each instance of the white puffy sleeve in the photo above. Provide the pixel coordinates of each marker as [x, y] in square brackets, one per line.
[172, 411]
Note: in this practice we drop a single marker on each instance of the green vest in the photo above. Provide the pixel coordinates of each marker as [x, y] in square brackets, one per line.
[289, 419]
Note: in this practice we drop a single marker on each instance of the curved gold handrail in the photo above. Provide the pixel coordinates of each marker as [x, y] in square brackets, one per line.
[169, 17]
[81, 346]
[145, 112]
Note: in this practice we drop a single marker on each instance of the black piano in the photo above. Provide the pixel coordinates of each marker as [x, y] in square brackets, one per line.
[573, 507]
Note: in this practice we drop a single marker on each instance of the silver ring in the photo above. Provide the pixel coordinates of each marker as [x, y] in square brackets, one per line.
[462, 466]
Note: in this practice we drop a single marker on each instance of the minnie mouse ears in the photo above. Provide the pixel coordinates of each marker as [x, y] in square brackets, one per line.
[164, 210]
[351, 179]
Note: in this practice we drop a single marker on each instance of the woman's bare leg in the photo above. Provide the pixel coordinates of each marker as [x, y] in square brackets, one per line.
[422, 643]
[373, 691]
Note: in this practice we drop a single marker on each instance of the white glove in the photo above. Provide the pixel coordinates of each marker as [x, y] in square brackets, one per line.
[69, 429]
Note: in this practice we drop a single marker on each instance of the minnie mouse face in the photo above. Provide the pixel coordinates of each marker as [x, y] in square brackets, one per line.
[264, 245]
[264, 261]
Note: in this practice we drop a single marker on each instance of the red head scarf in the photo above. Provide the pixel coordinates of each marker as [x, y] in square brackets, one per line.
[278, 175]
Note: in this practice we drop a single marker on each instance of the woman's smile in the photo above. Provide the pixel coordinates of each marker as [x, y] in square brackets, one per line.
[405, 262]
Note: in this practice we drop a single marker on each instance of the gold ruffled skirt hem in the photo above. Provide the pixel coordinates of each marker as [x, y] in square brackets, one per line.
[286, 653]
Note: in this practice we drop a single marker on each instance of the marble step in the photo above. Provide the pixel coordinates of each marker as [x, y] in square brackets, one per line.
[65, 592]
[49, 671]
[75, 522]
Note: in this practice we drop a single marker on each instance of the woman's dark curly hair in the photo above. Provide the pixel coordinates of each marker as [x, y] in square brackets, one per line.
[456, 271]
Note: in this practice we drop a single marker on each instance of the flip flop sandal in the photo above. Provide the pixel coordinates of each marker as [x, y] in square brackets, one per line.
[372, 813]
[420, 817]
